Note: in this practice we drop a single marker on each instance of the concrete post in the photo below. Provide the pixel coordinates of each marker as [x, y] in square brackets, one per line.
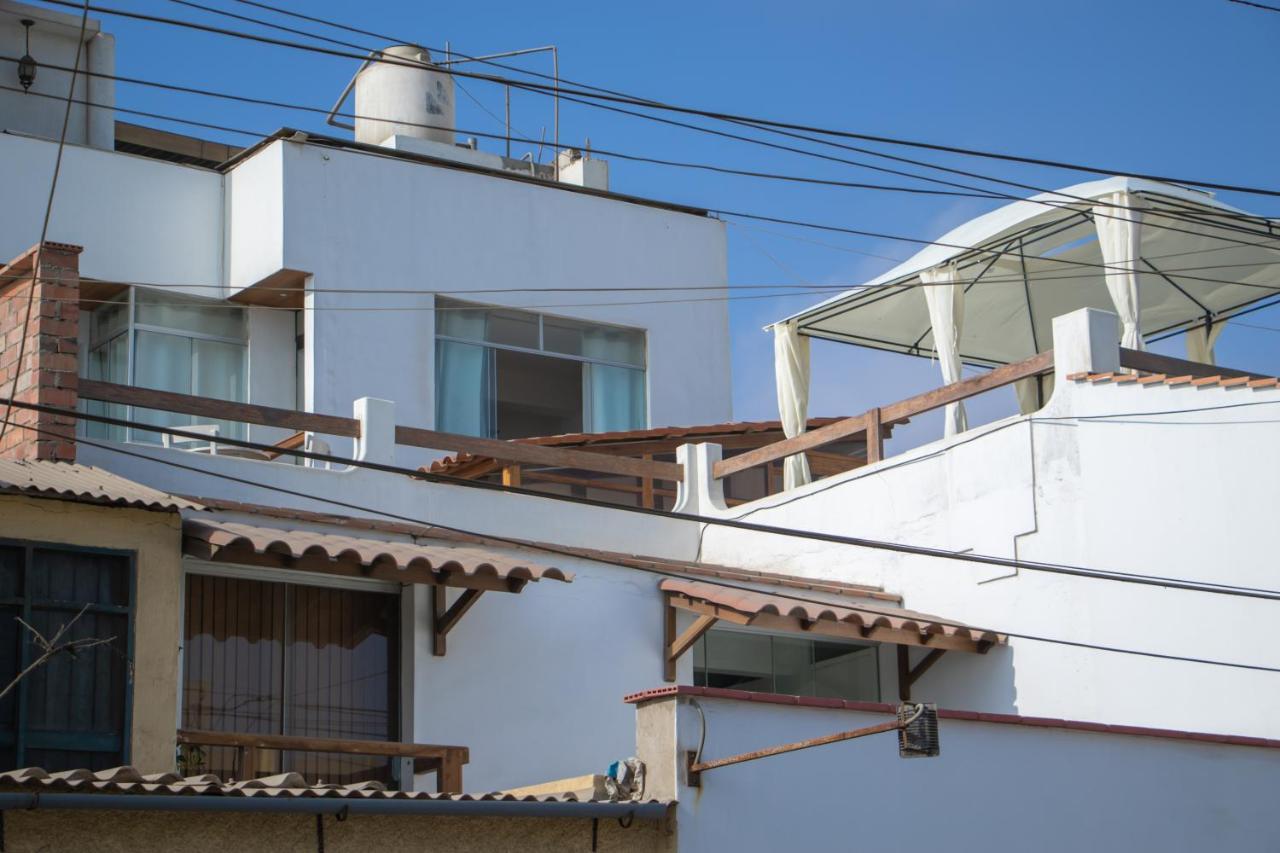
[1085, 341]
[700, 493]
[377, 441]
[100, 113]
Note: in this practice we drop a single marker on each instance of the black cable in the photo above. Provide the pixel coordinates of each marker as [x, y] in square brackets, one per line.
[1256, 5]
[973, 191]
[915, 550]
[548, 89]
[48, 214]
[598, 557]
[638, 100]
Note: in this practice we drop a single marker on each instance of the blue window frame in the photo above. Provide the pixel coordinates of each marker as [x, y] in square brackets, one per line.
[73, 711]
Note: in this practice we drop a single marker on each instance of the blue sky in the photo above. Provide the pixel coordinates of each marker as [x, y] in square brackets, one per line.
[1179, 87]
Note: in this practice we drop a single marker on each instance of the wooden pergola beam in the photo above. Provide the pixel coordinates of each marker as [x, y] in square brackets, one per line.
[909, 675]
[445, 618]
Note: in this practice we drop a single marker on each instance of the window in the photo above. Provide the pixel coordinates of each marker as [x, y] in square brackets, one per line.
[261, 657]
[503, 373]
[71, 711]
[169, 343]
[782, 664]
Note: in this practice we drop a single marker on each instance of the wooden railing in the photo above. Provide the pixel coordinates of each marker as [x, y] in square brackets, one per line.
[1150, 362]
[531, 454]
[445, 761]
[871, 423]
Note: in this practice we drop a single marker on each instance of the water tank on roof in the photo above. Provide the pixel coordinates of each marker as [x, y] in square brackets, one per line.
[406, 96]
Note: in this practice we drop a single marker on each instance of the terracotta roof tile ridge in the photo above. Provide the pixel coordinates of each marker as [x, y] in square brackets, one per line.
[1172, 381]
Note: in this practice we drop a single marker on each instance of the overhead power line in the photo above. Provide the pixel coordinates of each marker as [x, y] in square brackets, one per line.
[44, 227]
[571, 552]
[977, 251]
[764, 122]
[738, 121]
[1263, 6]
[965, 189]
[860, 542]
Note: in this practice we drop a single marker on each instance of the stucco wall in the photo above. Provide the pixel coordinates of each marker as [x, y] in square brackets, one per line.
[1107, 477]
[138, 219]
[156, 537]
[362, 222]
[993, 787]
[140, 832]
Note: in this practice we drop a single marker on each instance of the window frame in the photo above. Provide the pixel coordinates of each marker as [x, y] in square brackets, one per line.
[404, 640]
[20, 735]
[699, 648]
[587, 411]
[132, 327]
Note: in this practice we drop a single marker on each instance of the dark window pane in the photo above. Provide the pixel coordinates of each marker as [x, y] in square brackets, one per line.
[233, 652]
[10, 652]
[537, 395]
[80, 576]
[787, 664]
[792, 666]
[289, 659]
[739, 660]
[10, 572]
[513, 328]
[76, 704]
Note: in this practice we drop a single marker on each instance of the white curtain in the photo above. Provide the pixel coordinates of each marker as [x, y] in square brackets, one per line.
[944, 294]
[791, 373]
[1200, 341]
[1119, 225]
[1033, 392]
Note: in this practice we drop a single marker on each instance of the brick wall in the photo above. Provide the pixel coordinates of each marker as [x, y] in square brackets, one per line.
[48, 373]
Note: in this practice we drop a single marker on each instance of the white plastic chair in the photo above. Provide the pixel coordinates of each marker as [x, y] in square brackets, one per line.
[197, 445]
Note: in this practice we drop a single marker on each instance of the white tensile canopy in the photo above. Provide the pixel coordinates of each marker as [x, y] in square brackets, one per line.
[1163, 257]
[1198, 261]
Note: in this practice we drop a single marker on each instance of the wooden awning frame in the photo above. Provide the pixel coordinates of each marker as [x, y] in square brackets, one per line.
[312, 551]
[708, 614]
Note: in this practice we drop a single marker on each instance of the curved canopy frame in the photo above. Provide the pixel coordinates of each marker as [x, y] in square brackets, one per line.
[1030, 261]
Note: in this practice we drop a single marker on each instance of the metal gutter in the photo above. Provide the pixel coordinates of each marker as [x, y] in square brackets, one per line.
[323, 805]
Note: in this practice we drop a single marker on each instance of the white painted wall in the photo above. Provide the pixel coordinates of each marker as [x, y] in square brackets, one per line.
[994, 787]
[40, 110]
[138, 219]
[1104, 477]
[532, 683]
[361, 222]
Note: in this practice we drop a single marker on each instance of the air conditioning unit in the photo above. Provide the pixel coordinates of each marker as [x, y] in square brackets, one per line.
[918, 738]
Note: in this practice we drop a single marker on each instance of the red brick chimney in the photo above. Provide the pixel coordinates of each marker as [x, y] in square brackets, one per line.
[49, 372]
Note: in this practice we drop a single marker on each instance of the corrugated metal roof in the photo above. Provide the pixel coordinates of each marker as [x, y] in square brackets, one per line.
[418, 558]
[128, 780]
[872, 622]
[84, 483]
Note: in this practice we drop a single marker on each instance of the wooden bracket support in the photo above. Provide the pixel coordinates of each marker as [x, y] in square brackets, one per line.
[908, 675]
[674, 646]
[445, 617]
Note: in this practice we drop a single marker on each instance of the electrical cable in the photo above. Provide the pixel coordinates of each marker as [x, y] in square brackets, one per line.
[971, 191]
[602, 558]
[546, 89]
[638, 100]
[874, 544]
[44, 228]
[976, 251]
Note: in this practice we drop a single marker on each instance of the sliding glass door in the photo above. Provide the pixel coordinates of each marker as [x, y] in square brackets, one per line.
[271, 658]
